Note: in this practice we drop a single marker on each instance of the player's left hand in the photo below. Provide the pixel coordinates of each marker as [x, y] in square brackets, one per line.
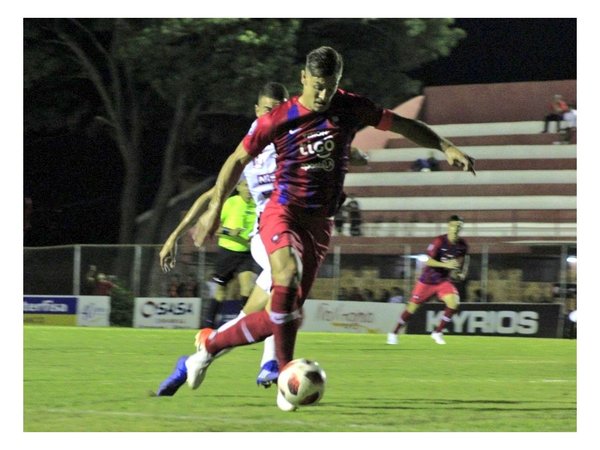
[167, 256]
[456, 158]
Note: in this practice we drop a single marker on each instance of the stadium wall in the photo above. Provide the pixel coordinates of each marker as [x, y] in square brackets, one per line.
[492, 319]
[494, 102]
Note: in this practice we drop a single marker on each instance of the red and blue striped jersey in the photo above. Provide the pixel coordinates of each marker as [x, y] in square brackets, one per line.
[441, 249]
[313, 148]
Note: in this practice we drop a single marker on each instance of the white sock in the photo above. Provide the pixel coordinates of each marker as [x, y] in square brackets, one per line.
[268, 350]
[232, 322]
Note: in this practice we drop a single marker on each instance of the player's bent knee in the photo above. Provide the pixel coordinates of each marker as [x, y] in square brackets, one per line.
[284, 268]
[452, 301]
[412, 307]
[257, 301]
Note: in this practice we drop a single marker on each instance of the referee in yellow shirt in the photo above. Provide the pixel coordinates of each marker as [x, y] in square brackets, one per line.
[237, 221]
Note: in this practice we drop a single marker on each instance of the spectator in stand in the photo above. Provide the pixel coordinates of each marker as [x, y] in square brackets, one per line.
[557, 109]
[175, 288]
[430, 164]
[343, 294]
[103, 285]
[570, 117]
[97, 283]
[368, 295]
[191, 287]
[340, 219]
[397, 296]
[354, 216]
[355, 295]
[384, 296]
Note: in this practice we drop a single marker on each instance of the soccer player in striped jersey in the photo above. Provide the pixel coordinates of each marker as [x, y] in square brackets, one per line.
[260, 176]
[312, 134]
[447, 261]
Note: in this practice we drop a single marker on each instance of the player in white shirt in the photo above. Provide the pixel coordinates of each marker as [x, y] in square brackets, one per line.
[260, 175]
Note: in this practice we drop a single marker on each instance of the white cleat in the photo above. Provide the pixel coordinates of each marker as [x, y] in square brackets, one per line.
[196, 366]
[283, 404]
[392, 338]
[438, 337]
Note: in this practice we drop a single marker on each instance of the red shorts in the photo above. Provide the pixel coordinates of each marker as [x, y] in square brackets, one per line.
[285, 226]
[423, 292]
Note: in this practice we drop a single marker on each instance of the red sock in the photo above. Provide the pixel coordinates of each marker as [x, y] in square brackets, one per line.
[252, 328]
[404, 317]
[286, 319]
[446, 319]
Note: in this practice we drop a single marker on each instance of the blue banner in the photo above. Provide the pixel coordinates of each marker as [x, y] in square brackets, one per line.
[49, 305]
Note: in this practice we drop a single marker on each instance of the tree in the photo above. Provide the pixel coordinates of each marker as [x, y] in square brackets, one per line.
[156, 83]
[378, 53]
[183, 68]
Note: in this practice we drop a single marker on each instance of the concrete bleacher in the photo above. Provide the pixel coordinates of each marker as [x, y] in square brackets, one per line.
[525, 191]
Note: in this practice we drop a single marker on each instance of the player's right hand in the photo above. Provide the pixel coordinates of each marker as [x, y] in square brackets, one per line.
[453, 264]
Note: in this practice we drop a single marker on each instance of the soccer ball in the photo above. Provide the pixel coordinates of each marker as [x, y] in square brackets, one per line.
[300, 383]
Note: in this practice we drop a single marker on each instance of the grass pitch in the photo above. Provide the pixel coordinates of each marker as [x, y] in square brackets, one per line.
[98, 379]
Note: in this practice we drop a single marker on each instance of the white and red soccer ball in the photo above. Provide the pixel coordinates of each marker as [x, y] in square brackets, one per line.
[302, 383]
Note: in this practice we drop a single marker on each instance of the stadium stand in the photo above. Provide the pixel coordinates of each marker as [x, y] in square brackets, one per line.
[524, 193]
[522, 201]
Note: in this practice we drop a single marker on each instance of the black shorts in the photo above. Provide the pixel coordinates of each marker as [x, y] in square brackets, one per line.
[229, 263]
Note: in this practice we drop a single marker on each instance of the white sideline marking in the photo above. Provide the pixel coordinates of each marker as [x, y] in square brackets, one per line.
[118, 413]
[158, 416]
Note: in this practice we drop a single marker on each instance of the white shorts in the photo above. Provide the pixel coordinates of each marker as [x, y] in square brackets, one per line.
[257, 248]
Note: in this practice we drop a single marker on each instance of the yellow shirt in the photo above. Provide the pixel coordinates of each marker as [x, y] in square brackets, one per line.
[237, 213]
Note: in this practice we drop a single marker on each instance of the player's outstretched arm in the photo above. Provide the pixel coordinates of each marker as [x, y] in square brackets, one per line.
[464, 271]
[421, 134]
[168, 251]
[226, 180]
[451, 264]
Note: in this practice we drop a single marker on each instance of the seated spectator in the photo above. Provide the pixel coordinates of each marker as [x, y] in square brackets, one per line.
[342, 294]
[355, 295]
[175, 288]
[430, 164]
[420, 165]
[570, 118]
[103, 285]
[340, 219]
[397, 296]
[368, 295]
[557, 109]
[355, 217]
[384, 296]
[191, 287]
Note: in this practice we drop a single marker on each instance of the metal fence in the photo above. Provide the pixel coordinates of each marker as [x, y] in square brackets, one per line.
[347, 273]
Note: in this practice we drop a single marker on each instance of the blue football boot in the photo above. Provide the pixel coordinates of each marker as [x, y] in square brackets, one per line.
[268, 374]
[175, 380]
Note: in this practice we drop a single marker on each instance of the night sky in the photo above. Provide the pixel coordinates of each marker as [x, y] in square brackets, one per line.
[495, 50]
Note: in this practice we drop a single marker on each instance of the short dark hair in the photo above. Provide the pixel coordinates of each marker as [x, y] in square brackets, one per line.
[455, 218]
[276, 91]
[324, 62]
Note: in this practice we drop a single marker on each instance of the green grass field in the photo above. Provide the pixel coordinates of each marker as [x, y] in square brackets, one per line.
[97, 379]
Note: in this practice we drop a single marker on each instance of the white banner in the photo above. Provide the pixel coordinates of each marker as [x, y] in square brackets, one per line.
[351, 317]
[167, 312]
[93, 311]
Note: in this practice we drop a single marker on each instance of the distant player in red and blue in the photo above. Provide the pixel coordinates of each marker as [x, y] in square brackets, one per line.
[447, 262]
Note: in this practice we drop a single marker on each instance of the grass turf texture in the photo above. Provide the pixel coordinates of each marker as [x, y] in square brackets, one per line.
[98, 379]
